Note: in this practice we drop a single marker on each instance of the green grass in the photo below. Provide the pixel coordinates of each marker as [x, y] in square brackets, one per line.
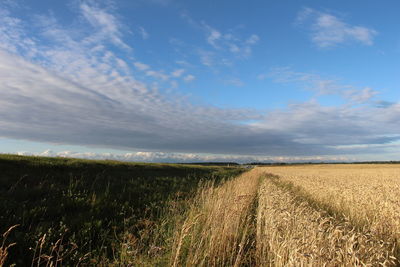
[87, 205]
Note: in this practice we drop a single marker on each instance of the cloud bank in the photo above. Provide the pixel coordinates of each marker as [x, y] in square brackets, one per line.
[183, 157]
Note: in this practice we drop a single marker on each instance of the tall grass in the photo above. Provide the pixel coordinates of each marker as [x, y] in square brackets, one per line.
[72, 210]
[215, 228]
[218, 227]
[5, 246]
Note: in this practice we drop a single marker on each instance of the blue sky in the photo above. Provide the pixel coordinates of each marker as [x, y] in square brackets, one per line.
[169, 80]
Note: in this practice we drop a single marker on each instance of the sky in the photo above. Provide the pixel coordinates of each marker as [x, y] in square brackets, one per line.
[188, 81]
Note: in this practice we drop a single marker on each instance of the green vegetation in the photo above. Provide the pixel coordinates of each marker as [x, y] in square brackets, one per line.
[74, 210]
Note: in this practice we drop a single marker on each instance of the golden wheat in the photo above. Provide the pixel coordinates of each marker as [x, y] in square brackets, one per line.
[292, 233]
[367, 194]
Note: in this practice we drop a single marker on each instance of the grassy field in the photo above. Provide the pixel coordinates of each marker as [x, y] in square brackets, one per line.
[101, 213]
[74, 210]
[218, 229]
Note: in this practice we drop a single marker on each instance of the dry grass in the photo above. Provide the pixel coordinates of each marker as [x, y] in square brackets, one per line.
[4, 248]
[55, 254]
[218, 228]
[292, 233]
[367, 194]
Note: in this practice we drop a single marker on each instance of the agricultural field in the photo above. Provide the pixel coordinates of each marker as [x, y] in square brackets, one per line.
[340, 215]
[74, 211]
[128, 214]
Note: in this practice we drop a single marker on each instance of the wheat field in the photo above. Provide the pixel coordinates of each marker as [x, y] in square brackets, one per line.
[362, 200]
[310, 215]
[290, 232]
[367, 194]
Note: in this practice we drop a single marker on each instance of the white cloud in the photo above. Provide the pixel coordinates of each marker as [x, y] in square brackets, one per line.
[141, 66]
[222, 47]
[160, 75]
[213, 37]
[157, 75]
[234, 48]
[322, 86]
[207, 58]
[361, 96]
[182, 62]
[230, 41]
[253, 39]
[328, 30]
[12, 35]
[107, 23]
[11, 3]
[177, 73]
[189, 78]
[143, 33]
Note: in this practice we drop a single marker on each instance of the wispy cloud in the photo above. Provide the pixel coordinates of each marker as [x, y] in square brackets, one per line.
[222, 47]
[322, 86]
[207, 58]
[213, 36]
[230, 41]
[253, 39]
[13, 38]
[178, 73]
[157, 74]
[235, 82]
[145, 35]
[328, 30]
[189, 78]
[107, 24]
[141, 66]
[361, 96]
